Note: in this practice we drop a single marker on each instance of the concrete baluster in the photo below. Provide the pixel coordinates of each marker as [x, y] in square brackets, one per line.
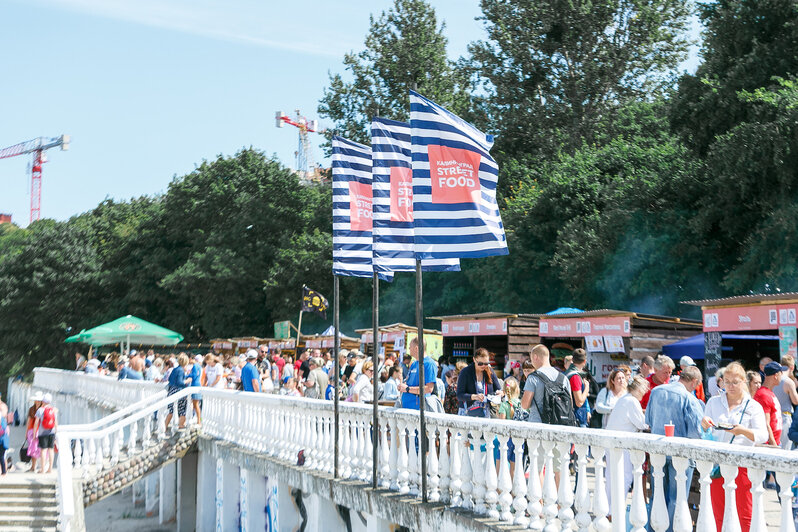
[731, 520]
[403, 466]
[785, 481]
[455, 479]
[345, 465]
[566, 491]
[601, 505]
[78, 453]
[757, 477]
[107, 445]
[356, 447]
[384, 469]
[519, 486]
[393, 456]
[491, 479]
[466, 473]
[682, 520]
[582, 497]
[116, 447]
[366, 446]
[504, 481]
[145, 431]
[638, 515]
[478, 467]
[161, 427]
[91, 455]
[444, 465]
[433, 480]
[329, 435]
[534, 488]
[549, 488]
[660, 520]
[133, 435]
[99, 459]
[706, 517]
[412, 460]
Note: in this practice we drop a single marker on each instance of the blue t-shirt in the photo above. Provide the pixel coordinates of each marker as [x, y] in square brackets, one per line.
[410, 400]
[195, 374]
[248, 373]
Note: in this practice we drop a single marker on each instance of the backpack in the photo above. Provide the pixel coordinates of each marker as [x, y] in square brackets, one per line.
[48, 418]
[557, 406]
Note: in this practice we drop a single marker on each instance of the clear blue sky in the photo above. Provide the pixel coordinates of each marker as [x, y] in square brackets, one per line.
[149, 88]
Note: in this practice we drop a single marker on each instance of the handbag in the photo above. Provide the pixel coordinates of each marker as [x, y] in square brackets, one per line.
[715, 473]
[477, 409]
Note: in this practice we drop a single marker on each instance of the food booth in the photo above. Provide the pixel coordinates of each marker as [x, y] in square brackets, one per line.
[396, 337]
[748, 328]
[328, 342]
[507, 336]
[612, 337]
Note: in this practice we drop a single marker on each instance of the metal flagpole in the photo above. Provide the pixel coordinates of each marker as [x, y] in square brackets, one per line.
[375, 326]
[336, 349]
[421, 382]
[298, 334]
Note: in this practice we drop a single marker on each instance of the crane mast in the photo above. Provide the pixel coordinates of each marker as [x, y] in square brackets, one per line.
[37, 147]
[304, 154]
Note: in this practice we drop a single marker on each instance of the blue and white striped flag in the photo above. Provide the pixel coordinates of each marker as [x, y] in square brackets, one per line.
[454, 186]
[352, 217]
[393, 201]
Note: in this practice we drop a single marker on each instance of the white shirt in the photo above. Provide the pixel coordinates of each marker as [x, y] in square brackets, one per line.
[363, 389]
[753, 418]
[712, 387]
[211, 372]
[605, 402]
[627, 416]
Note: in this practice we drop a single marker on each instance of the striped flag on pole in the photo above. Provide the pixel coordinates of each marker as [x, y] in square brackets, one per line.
[393, 201]
[454, 186]
[352, 218]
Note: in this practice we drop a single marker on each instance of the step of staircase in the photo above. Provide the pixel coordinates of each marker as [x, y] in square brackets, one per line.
[28, 503]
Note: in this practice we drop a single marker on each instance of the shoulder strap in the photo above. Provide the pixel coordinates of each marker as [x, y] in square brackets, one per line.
[745, 406]
[542, 376]
[560, 378]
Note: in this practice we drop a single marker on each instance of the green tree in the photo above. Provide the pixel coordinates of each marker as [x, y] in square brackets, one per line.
[404, 47]
[555, 69]
[50, 277]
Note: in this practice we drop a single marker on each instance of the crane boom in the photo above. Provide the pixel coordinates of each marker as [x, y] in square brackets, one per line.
[37, 147]
[30, 146]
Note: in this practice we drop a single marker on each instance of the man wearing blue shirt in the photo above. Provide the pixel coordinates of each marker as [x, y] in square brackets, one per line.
[675, 404]
[410, 388]
[250, 377]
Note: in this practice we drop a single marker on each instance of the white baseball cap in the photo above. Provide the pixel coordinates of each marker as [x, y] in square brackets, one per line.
[48, 398]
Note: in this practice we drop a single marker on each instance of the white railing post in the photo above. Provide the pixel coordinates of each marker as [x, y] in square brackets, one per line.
[549, 487]
[444, 465]
[601, 505]
[505, 484]
[682, 520]
[731, 520]
[478, 467]
[785, 480]
[466, 472]
[660, 520]
[433, 481]
[638, 515]
[582, 499]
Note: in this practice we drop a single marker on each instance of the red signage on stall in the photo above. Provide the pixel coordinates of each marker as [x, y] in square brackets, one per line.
[581, 327]
[753, 318]
[491, 327]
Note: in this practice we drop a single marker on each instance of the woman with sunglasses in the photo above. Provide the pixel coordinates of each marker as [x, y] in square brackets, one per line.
[476, 384]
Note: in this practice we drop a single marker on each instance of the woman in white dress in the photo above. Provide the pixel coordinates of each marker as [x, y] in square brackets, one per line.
[627, 416]
[609, 395]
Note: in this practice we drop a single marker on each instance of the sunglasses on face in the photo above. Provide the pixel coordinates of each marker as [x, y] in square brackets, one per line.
[482, 363]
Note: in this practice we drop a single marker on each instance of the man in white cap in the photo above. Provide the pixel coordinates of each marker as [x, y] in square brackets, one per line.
[46, 427]
[250, 377]
[687, 362]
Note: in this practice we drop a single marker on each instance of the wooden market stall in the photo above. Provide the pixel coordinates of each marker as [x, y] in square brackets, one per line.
[507, 336]
[612, 337]
[396, 337]
[749, 328]
[328, 342]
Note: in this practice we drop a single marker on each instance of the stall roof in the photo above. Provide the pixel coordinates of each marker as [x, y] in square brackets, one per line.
[624, 313]
[397, 327]
[481, 315]
[749, 299]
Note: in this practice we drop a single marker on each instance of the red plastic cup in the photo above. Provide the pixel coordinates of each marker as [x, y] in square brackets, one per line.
[669, 428]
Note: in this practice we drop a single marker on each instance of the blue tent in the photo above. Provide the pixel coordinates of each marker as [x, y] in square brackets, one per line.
[692, 347]
[565, 310]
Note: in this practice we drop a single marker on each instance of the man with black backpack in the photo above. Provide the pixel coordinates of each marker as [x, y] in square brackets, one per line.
[547, 393]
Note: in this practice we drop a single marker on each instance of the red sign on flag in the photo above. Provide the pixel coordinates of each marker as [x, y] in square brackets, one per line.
[454, 174]
[401, 194]
[360, 206]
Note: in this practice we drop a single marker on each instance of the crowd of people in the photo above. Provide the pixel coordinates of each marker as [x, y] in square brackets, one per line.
[740, 407]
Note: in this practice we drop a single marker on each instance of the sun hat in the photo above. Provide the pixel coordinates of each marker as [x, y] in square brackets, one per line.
[48, 398]
[36, 396]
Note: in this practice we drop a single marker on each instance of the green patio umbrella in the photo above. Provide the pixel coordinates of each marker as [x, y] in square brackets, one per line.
[126, 329]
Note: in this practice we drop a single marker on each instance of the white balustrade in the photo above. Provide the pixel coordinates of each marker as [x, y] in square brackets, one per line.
[538, 492]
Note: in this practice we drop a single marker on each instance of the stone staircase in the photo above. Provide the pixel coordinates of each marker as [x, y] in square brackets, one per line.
[28, 502]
